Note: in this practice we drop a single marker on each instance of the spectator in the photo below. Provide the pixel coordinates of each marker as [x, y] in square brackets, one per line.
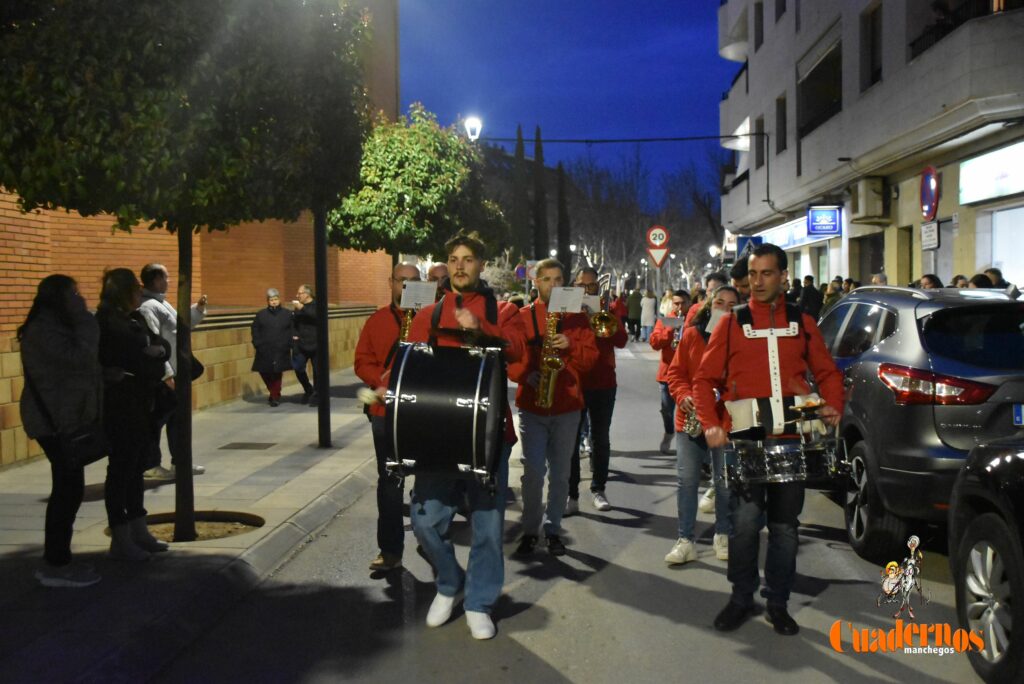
[979, 280]
[698, 297]
[959, 281]
[163, 320]
[879, 279]
[272, 340]
[648, 314]
[810, 298]
[996, 276]
[847, 286]
[59, 346]
[930, 281]
[739, 274]
[304, 338]
[634, 310]
[832, 295]
[133, 365]
[665, 306]
[793, 291]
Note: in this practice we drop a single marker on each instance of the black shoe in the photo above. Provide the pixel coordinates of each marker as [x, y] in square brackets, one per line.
[555, 545]
[781, 620]
[526, 545]
[312, 399]
[732, 616]
[274, 402]
[305, 398]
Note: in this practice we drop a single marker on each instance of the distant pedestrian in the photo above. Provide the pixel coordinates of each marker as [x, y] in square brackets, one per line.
[848, 286]
[648, 314]
[832, 295]
[979, 281]
[162, 319]
[960, 281]
[634, 309]
[996, 276]
[879, 279]
[930, 281]
[810, 300]
[133, 365]
[665, 305]
[304, 337]
[272, 340]
[793, 291]
[620, 310]
[59, 351]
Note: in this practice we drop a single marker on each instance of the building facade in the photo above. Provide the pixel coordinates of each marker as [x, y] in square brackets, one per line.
[907, 116]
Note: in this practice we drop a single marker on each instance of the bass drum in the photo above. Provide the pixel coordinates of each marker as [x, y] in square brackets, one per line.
[445, 409]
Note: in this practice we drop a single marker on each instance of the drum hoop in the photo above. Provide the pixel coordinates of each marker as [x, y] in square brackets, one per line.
[398, 399]
[476, 405]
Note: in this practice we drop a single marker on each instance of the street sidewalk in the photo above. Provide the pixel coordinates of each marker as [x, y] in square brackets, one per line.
[259, 460]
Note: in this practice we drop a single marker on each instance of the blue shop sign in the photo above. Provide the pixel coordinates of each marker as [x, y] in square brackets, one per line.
[823, 221]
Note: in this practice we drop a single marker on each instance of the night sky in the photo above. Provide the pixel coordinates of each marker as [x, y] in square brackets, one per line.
[577, 68]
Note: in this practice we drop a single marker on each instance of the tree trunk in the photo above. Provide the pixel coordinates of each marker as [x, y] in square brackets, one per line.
[184, 498]
[321, 363]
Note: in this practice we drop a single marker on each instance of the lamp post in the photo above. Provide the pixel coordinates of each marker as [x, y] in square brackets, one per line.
[474, 126]
[672, 271]
[643, 262]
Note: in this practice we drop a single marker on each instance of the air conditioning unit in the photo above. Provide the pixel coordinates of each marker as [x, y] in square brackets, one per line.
[867, 200]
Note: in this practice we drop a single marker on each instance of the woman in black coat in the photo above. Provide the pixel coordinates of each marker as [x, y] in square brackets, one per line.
[133, 364]
[272, 339]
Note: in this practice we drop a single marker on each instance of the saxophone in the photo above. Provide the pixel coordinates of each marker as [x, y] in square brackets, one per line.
[550, 364]
[407, 316]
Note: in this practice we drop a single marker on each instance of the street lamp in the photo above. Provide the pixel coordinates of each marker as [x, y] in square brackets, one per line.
[553, 252]
[473, 126]
[714, 251]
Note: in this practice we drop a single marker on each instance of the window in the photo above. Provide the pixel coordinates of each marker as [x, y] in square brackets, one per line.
[780, 124]
[819, 89]
[758, 142]
[780, 9]
[989, 336]
[871, 47]
[860, 331]
[796, 15]
[758, 24]
[832, 323]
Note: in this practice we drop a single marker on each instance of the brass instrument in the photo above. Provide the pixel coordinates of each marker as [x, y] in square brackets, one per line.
[691, 425]
[550, 364]
[676, 336]
[407, 316]
[604, 323]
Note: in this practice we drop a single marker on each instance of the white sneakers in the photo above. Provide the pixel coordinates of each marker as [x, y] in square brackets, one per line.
[707, 501]
[480, 625]
[721, 546]
[666, 444]
[440, 610]
[683, 552]
[76, 575]
[600, 502]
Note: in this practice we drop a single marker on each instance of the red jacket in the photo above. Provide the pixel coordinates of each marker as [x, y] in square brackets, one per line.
[619, 308]
[579, 358]
[602, 375]
[738, 366]
[509, 327]
[661, 340]
[681, 370]
[377, 339]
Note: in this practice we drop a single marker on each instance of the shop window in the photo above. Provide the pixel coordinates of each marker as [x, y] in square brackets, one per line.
[780, 124]
[871, 46]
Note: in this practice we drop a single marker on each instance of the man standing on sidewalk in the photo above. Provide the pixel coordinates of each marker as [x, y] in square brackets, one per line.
[375, 352]
[599, 386]
[469, 306]
[304, 338]
[549, 432]
[162, 319]
[664, 339]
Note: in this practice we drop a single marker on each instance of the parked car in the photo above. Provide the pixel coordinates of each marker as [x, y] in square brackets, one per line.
[986, 519]
[930, 374]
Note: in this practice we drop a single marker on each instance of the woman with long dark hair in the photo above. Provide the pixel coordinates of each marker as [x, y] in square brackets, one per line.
[59, 341]
[133, 358]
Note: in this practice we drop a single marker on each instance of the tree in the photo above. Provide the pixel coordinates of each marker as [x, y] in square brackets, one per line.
[540, 201]
[419, 184]
[520, 214]
[563, 228]
[185, 114]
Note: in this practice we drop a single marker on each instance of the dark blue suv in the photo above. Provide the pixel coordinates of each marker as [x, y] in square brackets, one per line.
[929, 374]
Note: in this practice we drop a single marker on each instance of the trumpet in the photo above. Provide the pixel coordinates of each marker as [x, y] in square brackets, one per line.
[604, 323]
[550, 364]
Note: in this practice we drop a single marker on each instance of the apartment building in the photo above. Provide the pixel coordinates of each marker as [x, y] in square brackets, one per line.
[905, 117]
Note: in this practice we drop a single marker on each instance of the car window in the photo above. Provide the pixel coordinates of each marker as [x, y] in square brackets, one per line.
[832, 323]
[860, 331]
[985, 336]
[888, 325]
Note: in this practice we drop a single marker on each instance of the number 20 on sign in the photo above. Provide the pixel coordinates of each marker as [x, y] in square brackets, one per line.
[657, 236]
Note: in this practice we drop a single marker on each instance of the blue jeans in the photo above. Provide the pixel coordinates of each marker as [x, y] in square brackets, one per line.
[547, 446]
[390, 492]
[668, 410]
[690, 454]
[600, 404]
[782, 502]
[645, 332]
[435, 499]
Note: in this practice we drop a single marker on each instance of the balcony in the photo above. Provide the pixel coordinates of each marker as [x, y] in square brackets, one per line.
[742, 73]
[947, 23]
[732, 31]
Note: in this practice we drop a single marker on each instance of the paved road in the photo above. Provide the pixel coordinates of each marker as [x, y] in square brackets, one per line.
[609, 611]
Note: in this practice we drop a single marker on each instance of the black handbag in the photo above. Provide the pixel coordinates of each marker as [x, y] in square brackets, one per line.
[197, 368]
[85, 445]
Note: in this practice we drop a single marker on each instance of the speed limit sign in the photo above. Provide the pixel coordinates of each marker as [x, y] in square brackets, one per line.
[657, 236]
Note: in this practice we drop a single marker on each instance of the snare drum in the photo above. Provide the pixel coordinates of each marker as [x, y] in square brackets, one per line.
[444, 409]
[757, 462]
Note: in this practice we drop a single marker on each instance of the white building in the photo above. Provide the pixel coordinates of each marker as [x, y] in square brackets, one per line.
[873, 106]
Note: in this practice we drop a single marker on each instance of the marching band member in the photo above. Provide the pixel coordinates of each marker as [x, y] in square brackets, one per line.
[712, 281]
[664, 338]
[549, 404]
[599, 388]
[375, 351]
[469, 306]
[759, 356]
[740, 279]
[692, 450]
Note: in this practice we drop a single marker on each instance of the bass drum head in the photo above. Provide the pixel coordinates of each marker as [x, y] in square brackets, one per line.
[491, 417]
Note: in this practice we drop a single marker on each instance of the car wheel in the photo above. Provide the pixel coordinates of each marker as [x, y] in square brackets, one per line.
[989, 575]
[874, 533]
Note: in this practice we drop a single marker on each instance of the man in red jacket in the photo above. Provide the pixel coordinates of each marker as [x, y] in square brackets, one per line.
[758, 358]
[375, 351]
[665, 338]
[599, 388]
[549, 434]
[468, 305]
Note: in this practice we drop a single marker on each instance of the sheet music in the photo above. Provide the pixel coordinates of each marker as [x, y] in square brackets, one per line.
[416, 294]
[566, 300]
[593, 302]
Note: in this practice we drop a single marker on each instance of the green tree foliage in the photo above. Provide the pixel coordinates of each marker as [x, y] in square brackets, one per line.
[419, 184]
[540, 201]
